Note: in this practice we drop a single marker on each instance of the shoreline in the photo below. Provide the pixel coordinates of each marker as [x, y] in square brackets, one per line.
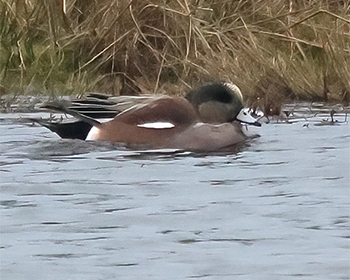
[275, 52]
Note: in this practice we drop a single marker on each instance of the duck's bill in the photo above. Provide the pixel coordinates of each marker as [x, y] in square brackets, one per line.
[246, 116]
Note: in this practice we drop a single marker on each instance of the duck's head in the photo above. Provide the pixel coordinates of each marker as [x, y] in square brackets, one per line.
[220, 103]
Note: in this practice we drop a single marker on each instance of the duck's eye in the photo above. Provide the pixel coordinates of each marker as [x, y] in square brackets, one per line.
[245, 113]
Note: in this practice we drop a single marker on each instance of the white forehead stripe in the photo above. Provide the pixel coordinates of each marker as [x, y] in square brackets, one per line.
[157, 125]
[234, 88]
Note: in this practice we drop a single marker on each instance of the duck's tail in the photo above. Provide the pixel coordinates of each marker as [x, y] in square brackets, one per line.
[70, 130]
[77, 128]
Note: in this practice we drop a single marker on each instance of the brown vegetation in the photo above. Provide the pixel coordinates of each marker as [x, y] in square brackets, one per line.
[274, 50]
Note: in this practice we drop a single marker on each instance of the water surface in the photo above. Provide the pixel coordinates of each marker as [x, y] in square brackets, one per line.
[276, 208]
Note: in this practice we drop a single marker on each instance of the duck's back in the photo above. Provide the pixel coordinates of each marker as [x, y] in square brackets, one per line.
[154, 124]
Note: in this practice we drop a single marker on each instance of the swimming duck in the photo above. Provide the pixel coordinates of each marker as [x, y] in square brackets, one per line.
[207, 119]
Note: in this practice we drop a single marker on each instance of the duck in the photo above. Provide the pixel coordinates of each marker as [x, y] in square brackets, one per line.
[208, 118]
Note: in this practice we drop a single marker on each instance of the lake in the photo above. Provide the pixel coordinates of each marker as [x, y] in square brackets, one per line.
[275, 207]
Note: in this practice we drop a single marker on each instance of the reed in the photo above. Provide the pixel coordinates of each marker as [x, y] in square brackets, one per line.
[275, 50]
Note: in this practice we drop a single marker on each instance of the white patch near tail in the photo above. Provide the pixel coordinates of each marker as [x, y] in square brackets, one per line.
[157, 125]
[94, 133]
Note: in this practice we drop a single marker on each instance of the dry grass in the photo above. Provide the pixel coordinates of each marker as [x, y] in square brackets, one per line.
[273, 50]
